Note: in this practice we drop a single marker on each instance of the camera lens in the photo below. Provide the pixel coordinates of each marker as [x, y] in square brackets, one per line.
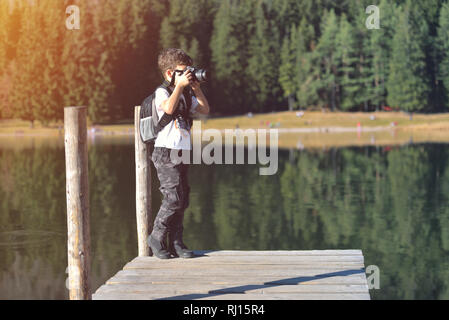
[202, 75]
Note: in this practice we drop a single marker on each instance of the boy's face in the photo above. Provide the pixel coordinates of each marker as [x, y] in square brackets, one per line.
[169, 72]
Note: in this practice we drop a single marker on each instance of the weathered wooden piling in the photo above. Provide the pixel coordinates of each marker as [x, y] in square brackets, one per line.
[77, 191]
[143, 188]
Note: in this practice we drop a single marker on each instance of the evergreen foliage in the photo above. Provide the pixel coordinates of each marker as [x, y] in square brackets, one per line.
[263, 55]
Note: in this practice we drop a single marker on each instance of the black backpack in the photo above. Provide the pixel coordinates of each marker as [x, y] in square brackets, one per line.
[150, 124]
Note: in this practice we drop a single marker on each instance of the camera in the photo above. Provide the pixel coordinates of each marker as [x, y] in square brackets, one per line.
[200, 75]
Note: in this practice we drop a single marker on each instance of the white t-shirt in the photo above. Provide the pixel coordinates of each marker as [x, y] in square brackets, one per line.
[174, 135]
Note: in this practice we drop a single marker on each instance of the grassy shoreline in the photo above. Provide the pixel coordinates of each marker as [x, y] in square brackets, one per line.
[312, 129]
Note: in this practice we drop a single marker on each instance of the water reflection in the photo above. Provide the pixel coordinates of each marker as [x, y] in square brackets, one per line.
[390, 202]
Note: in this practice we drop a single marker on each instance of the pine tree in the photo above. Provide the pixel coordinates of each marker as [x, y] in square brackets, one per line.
[13, 27]
[326, 56]
[136, 71]
[4, 75]
[160, 7]
[357, 91]
[314, 12]
[173, 28]
[78, 58]
[380, 47]
[112, 42]
[101, 89]
[306, 77]
[408, 83]
[75, 68]
[294, 72]
[10, 25]
[3, 35]
[51, 29]
[429, 11]
[366, 76]
[233, 26]
[443, 47]
[348, 58]
[224, 60]
[287, 78]
[288, 14]
[263, 65]
[188, 25]
[22, 96]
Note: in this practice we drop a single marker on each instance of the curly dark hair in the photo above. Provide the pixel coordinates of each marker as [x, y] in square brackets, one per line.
[170, 58]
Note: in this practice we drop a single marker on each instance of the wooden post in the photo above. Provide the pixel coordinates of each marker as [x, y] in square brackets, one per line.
[143, 188]
[77, 189]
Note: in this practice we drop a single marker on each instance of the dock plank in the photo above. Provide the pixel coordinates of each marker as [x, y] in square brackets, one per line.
[244, 288]
[297, 296]
[258, 275]
[279, 252]
[237, 280]
[240, 272]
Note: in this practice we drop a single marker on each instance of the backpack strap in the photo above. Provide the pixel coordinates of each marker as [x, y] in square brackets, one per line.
[161, 123]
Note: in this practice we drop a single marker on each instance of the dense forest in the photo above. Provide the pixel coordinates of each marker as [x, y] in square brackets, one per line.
[264, 55]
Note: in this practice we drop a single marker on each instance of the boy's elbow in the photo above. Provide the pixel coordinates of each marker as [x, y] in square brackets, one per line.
[205, 109]
[166, 108]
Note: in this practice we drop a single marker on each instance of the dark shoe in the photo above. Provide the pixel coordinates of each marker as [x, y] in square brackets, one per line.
[179, 249]
[157, 248]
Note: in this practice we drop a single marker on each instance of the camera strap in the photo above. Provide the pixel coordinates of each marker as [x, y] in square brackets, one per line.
[172, 83]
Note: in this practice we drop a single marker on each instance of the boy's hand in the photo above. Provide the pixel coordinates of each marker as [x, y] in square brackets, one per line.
[184, 80]
[195, 85]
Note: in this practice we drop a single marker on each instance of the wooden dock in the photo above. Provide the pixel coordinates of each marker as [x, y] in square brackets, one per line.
[242, 275]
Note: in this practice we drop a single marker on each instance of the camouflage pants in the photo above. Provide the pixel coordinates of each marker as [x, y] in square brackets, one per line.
[175, 191]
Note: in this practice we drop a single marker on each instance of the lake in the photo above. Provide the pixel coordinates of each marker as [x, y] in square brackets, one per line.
[391, 202]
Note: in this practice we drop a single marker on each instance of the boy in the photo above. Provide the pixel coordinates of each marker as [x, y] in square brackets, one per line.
[176, 135]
